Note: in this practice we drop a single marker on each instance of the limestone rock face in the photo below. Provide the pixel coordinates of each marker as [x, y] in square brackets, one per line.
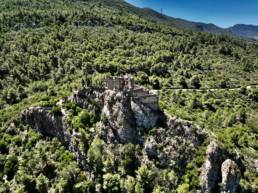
[230, 176]
[186, 130]
[41, 119]
[145, 117]
[127, 118]
[216, 172]
[85, 97]
[211, 173]
[117, 109]
[174, 144]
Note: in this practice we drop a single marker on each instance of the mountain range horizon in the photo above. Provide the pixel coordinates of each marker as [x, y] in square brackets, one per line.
[221, 13]
[249, 31]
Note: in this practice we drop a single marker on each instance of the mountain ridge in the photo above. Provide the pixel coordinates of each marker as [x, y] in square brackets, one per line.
[239, 30]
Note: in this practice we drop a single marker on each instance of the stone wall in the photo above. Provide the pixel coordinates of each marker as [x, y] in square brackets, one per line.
[125, 83]
[139, 92]
[140, 95]
[150, 100]
[115, 83]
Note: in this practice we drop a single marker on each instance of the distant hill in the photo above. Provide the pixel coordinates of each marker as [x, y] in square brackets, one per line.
[153, 15]
[250, 31]
[241, 30]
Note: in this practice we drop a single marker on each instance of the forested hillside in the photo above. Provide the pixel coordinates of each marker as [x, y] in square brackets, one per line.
[48, 48]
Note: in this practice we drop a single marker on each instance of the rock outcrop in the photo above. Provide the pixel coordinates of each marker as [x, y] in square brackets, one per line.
[127, 118]
[230, 176]
[117, 109]
[174, 144]
[186, 130]
[151, 148]
[42, 119]
[130, 115]
[126, 121]
[211, 173]
[216, 172]
[145, 117]
[88, 98]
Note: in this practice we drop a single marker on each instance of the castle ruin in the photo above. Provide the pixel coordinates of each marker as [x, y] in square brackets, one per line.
[125, 83]
[137, 93]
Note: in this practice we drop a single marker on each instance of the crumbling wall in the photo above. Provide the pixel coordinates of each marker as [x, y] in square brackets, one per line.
[125, 83]
[115, 83]
[139, 92]
[151, 101]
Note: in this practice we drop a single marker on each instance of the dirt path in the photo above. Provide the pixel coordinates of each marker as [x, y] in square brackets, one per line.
[212, 89]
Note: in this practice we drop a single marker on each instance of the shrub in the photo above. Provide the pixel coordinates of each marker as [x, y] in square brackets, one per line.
[98, 79]
[195, 82]
[85, 186]
[3, 147]
[223, 84]
[182, 82]
[42, 183]
[142, 78]
[39, 87]
[195, 104]
[11, 166]
[129, 184]
[94, 155]
[129, 158]
[253, 95]
[111, 183]
[56, 111]
[230, 120]
[145, 177]
[183, 188]
[84, 118]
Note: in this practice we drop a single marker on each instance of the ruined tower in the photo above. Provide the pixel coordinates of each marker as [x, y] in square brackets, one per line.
[137, 93]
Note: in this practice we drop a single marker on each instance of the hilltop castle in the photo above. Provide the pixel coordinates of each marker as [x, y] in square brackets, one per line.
[138, 94]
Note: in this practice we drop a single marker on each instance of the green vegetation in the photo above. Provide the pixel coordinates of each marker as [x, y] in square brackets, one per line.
[50, 47]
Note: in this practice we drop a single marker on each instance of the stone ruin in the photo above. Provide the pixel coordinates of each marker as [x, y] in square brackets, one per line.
[138, 94]
[125, 83]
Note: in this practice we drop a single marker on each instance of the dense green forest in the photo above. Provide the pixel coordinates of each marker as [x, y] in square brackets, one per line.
[48, 48]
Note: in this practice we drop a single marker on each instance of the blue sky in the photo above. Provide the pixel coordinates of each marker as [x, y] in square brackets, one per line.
[223, 13]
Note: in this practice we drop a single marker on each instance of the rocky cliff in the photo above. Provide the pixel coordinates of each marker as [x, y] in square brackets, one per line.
[127, 118]
[166, 140]
[42, 119]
